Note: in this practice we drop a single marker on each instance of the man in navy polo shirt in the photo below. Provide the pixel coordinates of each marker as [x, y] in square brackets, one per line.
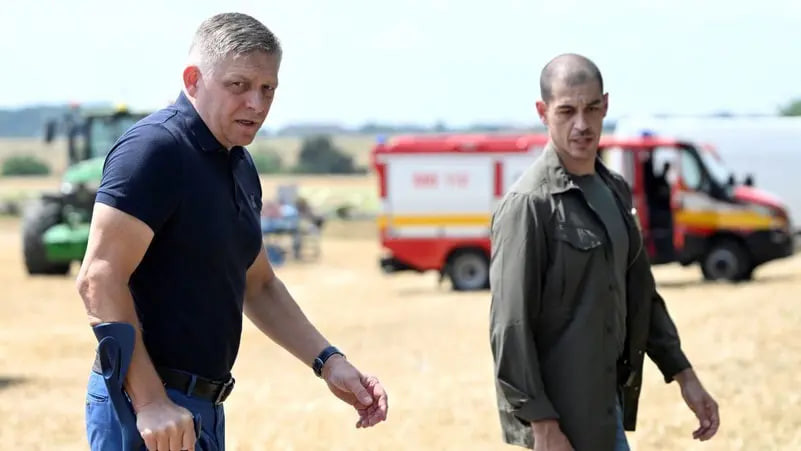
[175, 250]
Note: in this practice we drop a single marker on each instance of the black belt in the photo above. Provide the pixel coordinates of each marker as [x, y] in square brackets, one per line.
[214, 391]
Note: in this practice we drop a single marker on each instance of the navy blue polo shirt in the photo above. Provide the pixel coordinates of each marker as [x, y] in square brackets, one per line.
[203, 203]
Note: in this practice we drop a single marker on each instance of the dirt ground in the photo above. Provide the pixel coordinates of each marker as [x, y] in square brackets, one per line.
[429, 347]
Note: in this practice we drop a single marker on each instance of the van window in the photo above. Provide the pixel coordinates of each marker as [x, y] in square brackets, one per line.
[662, 155]
[691, 171]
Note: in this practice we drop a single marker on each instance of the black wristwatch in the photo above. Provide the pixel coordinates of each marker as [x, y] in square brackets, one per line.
[326, 353]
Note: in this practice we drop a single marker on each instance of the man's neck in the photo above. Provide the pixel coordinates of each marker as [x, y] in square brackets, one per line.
[574, 166]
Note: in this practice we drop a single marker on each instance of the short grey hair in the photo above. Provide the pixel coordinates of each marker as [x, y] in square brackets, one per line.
[230, 34]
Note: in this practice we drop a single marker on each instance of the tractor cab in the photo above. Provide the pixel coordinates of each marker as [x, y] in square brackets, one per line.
[93, 133]
[56, 225]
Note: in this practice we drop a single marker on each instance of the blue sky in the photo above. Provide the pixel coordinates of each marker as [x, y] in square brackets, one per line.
[417, 61]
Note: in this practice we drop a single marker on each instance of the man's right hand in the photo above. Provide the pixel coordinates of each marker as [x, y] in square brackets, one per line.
[548, 436]
[166, 426]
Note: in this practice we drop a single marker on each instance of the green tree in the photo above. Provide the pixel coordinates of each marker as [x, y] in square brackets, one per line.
[267, 161]
[24, 165]
[791, 109]
[319, 155]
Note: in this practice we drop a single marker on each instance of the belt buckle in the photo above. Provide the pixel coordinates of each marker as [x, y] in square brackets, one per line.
[225, 390]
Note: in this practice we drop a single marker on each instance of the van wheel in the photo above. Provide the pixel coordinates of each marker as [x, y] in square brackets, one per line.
[726, 260]
[469, 270]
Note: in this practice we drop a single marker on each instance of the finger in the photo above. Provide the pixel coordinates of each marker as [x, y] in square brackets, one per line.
[175, 432]
[150, 440]
[714, 418]
[374, 417]
[383, 405]
[188, 437]
[703, 425]
[354, 385]
[163, 441]
[378, 411]
[379, 395]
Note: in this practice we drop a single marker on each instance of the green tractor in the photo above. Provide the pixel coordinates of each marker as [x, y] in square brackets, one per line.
[55, 226]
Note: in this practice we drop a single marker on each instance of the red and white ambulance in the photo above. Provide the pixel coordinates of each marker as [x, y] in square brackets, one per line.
[438, 192]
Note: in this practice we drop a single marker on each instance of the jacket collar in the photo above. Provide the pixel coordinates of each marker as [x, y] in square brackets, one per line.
[558, 177]
[197, 127]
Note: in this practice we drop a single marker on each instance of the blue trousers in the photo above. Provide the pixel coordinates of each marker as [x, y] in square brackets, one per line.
[103, 431]
[621, 443]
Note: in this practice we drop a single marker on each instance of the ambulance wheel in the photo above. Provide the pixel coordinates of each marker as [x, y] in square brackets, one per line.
[468, 270]
[726, 259]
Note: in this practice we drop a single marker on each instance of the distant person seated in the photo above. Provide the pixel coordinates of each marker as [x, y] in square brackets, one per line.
[282, 219]
[277, 218]
[305, 211]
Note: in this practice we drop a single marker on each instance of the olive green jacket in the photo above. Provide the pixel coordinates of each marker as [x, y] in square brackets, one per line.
[550, 331]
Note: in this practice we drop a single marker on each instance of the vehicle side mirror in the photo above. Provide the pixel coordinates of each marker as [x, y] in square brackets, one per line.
[749, 180]
[50, 131]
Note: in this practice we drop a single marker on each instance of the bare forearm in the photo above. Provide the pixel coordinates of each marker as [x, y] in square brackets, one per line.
[686, 376]
[277, 315]
[108, 300]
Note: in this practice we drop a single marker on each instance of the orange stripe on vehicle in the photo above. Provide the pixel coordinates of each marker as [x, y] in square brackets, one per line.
[470, 220]
[725, 219]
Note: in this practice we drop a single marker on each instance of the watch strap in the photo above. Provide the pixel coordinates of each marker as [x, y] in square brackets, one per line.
[321, 358]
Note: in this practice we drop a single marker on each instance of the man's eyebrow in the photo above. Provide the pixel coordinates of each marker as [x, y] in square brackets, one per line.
[594, 102]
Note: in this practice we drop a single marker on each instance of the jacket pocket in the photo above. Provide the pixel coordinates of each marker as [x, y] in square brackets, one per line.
[578, 250]
[581, 239]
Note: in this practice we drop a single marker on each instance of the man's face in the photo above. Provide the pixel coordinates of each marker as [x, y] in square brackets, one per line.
[574, 117]
[235, 98]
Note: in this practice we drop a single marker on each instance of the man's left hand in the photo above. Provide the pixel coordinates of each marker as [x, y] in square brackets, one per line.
[701, 403]
[363, 392]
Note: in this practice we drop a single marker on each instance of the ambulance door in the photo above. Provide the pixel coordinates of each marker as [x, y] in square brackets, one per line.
[659, 170]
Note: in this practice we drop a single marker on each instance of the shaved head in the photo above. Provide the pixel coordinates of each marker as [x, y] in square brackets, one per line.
[570, 69]
[573, 107]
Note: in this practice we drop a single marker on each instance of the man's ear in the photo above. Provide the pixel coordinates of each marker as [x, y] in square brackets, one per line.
[606, 103]
[542, 109]
[191, 77]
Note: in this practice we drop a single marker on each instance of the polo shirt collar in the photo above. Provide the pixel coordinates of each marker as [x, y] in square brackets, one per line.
[199, 130]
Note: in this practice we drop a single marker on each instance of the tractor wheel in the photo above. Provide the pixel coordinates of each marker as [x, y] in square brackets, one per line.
[469, 270]
[40, 216]
[726, 259]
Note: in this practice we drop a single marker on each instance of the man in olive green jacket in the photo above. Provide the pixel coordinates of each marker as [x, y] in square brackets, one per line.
[574, 304]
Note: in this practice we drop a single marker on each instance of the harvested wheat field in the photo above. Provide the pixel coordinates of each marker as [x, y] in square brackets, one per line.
[429, 347]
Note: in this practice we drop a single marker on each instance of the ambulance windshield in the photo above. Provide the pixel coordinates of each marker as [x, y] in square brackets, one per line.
[719, 173]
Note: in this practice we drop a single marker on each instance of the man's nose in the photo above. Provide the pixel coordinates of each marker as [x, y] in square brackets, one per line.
[257, 102]
[581, 122]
